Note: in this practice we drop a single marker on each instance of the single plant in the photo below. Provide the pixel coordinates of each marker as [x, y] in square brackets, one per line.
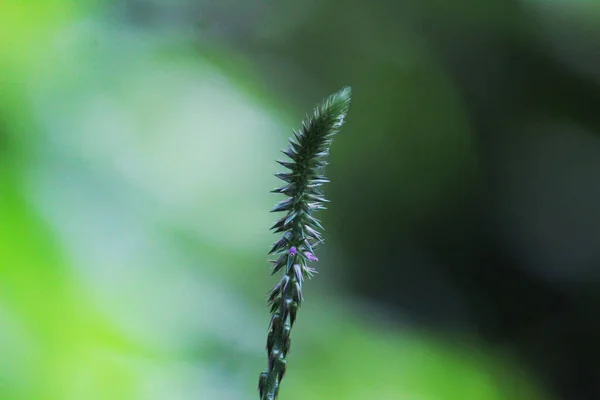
[295, 250]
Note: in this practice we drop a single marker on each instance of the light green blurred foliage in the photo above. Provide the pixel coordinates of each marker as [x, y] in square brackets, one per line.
[133, 230]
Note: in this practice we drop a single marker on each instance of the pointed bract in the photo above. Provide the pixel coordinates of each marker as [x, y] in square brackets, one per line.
[284, 176]
[284, 205]
[287, 164]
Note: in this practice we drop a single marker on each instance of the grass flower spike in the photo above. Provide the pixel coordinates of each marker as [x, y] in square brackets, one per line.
[301, 230]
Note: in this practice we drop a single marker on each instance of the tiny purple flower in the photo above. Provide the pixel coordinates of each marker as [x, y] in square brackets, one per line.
[310, 256]
[293, 250]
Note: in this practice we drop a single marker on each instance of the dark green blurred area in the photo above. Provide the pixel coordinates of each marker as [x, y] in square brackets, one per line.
[137, 144]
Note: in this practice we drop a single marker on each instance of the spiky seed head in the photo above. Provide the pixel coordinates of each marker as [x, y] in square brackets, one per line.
[303, 179]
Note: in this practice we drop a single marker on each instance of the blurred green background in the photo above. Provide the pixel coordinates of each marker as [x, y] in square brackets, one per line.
[137, 148]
